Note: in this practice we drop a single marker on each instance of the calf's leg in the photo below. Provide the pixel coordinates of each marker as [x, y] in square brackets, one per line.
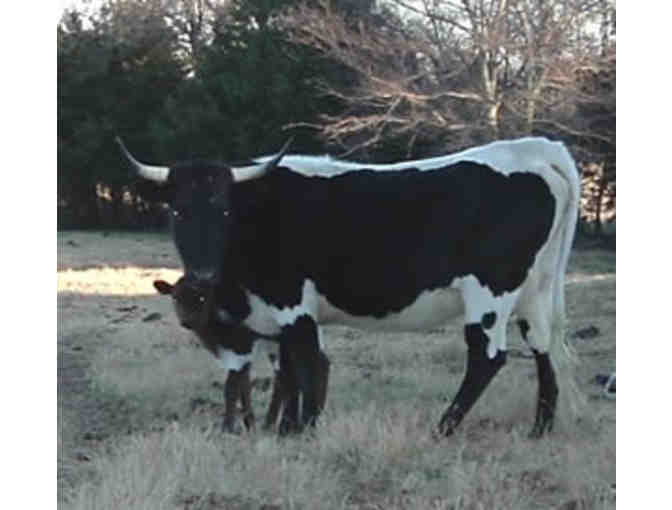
[246, 398]
[238, 387]
[278, 397]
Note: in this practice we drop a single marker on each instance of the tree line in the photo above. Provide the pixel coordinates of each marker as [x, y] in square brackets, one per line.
[374, 80]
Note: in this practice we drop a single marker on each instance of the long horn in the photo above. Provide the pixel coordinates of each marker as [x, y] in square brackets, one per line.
[153, 173]
[245, 173]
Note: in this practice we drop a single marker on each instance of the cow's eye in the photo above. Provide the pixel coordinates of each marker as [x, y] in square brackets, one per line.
[226, 212]
[201, 299]
[180, 214]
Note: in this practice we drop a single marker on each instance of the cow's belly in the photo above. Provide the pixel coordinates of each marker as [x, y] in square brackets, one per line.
[431, 309]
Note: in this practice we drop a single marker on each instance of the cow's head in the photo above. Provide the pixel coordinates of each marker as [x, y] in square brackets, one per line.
[200, 196]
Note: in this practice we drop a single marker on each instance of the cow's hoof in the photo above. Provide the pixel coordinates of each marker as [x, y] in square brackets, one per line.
[231, 425]
[446, 426]
[248, 420]
[540, 430]
[288, 427]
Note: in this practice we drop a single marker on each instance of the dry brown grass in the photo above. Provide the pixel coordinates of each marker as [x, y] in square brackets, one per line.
[153, 448]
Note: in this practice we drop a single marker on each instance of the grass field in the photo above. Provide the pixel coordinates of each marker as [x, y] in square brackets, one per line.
[139, 406]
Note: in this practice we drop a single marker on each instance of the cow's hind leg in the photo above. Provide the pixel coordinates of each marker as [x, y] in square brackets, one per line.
[486, 316]
[289, 419]
[547, 397]
[536, 333]
[480, 371]
[322, 380]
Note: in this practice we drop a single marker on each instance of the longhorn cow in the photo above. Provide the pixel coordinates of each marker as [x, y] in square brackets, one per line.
[285, 243]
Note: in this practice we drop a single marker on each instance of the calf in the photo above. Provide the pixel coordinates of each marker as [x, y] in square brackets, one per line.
[194, 313]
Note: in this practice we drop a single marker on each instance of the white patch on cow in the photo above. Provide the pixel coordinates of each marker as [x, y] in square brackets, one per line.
[269, 319]
[266, 347]
[262, 316]
[480, 300]
[230, 360]
[531, 154]
[307, 306]
[320, 342]
[275, 363]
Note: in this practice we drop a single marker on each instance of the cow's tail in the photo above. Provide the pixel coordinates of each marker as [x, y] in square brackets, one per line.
[563, 356]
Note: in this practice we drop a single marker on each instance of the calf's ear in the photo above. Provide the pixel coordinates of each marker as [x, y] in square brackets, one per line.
[163, 287]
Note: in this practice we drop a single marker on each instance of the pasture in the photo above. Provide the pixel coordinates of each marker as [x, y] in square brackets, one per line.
[140, 403]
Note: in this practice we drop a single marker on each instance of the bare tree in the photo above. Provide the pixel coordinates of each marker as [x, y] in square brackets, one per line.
[458, 72]
[397, 88]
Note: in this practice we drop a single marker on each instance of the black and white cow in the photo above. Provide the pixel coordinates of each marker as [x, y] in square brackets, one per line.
[288, 242]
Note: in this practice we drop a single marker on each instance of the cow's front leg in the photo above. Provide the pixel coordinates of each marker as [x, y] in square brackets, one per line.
[281, 396]
[289, 420]
[480, 371]
[238, 387]
[300, 364]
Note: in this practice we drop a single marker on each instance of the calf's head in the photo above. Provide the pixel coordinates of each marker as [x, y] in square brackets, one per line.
[193, 306]
[196, 309]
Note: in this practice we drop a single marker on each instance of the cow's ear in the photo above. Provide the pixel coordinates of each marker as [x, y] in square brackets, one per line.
[163, 287]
